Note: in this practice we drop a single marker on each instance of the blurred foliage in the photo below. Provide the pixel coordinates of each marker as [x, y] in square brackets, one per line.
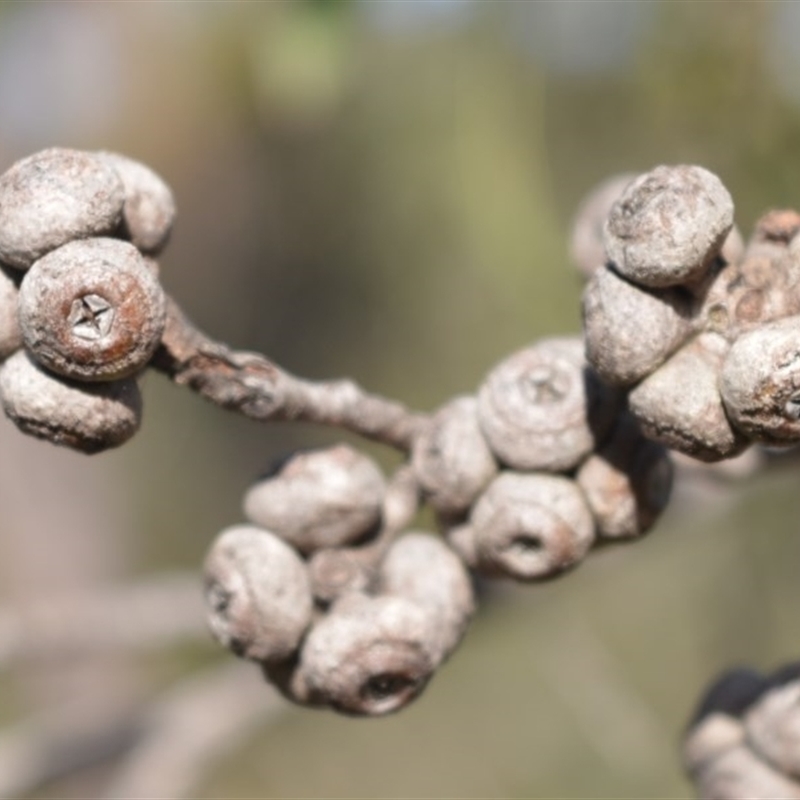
[393, 203]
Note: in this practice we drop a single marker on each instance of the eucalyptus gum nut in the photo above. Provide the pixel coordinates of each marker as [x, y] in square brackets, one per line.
[772, 727]
[543, 408]
[424, 569]
[713, 736]
[627, 483]
[148, 212]
[258, 594]
[760, 382]
[92, 310]
[319, 499]
[10, 331]
[732, 248]
[668, 226]
[531, 526]
[461, 539]
[631, 331]
[452, 459]
[680, 406]
[586, 248]
[53, 197]
[368, 655]
[739, 774]
[85, 417]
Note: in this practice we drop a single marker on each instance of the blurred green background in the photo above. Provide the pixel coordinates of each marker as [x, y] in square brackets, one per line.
[384, 190]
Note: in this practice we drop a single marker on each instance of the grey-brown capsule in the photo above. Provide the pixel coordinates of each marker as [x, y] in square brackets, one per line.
[258, 594]
[668, 225]
[367, 656]
[762, 286]
[772, 727]
[680, 406]
[543, 408]
[53, 197]
[586, 248]
[149, 209]
[739, 774]
[452, 459]
[10, 331]
[92, 310]
[320, 498]
[627, 483]
[630, 331]
[760, 382]
[85, 417]
[531, 526]
[424, 569]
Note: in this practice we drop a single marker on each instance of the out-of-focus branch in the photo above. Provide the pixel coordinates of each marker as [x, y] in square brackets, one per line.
[252, 385]
[190, 728]
[156, 612]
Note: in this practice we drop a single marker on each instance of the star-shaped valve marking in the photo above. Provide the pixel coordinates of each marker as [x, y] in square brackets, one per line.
[91, 317]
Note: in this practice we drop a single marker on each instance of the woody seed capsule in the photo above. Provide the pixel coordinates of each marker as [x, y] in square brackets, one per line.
[258, 594]
[587, 249]
[627, 483]
[86, 417]
[367, 656]
[424, 569]
[318, 499]
[531, 526]
[92, 310]
[149, 209]
[772, 727]
[451, 459]
[543, 408]
[760, 382]
[630, 331]
[10, 332]
[53, 197]
[668, 225]
[680, 406]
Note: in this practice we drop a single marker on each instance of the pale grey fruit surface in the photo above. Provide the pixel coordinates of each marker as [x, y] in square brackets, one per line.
[258, 593]
[772, 727]
[368, 655]
[319, 498]
[85, 417]
[586, 247]
[149, 209]
[627, 483]
[543, 408]
[92, 310]
[668, 225]
[760, 382]
[680, 405]
[452, 459]
[53, 197]
[531, 526]
[629, 330]
[424, 569]
[10, 331]
[739, 773]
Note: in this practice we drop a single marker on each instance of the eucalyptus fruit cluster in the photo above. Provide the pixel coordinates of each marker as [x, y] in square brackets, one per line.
[697, 328]
[744, 739]
[345, 607]
[81, 307]
[276, 596]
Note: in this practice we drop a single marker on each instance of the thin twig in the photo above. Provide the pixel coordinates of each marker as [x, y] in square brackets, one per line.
[252, 385]
[155, 612]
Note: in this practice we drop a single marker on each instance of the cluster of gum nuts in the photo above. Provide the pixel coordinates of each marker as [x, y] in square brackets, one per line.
[81, 307]
[345, 609]
[744, 739]
[700, 330]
